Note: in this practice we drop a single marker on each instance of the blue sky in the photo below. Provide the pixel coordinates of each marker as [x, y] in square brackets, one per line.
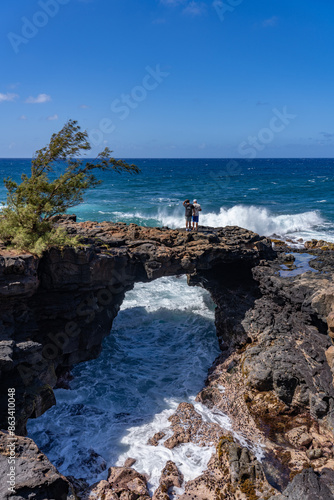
[170, 78]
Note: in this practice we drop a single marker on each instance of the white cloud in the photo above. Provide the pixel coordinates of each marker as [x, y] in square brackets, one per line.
[53, 117]
[195, 8]
[41, 98]
[270, 22]
[8, 97]
[23, 117]
[84, 106]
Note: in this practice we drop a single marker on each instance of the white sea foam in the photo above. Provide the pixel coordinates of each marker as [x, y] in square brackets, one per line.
[257, 219]
[305, 225]
[190, 458]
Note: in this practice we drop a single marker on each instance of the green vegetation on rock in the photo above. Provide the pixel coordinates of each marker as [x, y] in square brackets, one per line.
[26, 218]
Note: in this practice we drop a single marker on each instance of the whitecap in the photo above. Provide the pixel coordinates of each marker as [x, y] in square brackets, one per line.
[257, 219]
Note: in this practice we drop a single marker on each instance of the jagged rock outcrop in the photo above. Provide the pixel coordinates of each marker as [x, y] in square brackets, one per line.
[30, 474]
[170, 477]
[309, 486]
[277, 374]
[188, 426]
[232, 473]
[55, 311]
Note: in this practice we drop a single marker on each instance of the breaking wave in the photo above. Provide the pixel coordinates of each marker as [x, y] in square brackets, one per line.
[257, 219]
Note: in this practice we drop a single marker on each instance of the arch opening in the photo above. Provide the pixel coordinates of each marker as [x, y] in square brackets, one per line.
[161, 346]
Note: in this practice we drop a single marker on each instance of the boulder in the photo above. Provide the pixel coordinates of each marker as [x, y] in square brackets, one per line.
[32, 472]
[308, 485]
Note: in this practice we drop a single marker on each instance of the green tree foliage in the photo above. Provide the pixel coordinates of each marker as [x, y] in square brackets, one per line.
[26, 219]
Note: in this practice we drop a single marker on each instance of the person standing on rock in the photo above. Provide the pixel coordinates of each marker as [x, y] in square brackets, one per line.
[196, 209]
[189, 211]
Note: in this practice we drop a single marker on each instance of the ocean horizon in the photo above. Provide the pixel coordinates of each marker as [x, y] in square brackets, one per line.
[287, 198]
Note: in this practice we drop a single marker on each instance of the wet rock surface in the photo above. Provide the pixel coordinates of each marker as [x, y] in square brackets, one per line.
[232, 473]
[56, 310]
[123, 483]
[277, 385]
[188, 426]
[170, 477]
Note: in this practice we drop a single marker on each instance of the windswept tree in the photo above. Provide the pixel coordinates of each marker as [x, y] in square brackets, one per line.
[26, 219]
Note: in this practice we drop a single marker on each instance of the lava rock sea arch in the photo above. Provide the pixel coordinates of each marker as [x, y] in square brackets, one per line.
[275, 333]
[56, 310]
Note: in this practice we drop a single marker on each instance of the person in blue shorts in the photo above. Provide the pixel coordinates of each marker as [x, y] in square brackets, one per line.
[196, 209]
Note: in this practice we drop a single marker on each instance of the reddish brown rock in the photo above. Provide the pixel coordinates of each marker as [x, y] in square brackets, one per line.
[129, 462]
[128, 481]
[187, 425]
[99, 490]
[299, 436]
[154, 441]
[170, 476]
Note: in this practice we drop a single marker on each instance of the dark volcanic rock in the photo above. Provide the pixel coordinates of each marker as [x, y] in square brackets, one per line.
[308, 486]
[277, 369]
[290, 337]
[123, 483]
[35, 477]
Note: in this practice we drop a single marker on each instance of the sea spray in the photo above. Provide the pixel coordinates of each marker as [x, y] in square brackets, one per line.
[161, 346]
[306, 225]
[258, 219]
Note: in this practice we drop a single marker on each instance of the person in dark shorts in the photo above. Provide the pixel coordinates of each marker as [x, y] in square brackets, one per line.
[196, 209]
[189, 211]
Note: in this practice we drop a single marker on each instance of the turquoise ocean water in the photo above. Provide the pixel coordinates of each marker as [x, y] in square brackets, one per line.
[292, 197]
[163, 340]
